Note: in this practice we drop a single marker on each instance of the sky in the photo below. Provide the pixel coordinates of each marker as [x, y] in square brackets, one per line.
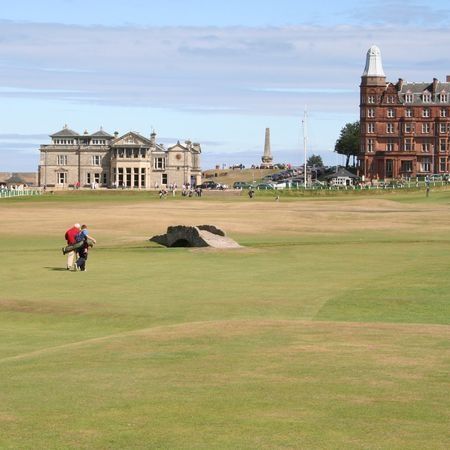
[213, 72]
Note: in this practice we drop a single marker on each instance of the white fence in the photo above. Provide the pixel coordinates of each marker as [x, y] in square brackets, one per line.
[8, 193]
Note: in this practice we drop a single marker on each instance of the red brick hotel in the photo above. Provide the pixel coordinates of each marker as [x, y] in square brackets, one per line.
[404, 126]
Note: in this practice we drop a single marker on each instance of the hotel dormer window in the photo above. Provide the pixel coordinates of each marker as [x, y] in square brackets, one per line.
[426, 97]
[443, 97]
[409, 98]
[390, 99]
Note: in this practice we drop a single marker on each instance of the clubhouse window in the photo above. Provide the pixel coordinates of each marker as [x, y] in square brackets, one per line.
[62, 160]
[159, 164]
[62, 177]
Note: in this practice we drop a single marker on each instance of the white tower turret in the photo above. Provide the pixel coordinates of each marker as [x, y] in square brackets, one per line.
[374, 66]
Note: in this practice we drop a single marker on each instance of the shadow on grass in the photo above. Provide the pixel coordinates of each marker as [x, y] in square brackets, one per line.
[57, 269]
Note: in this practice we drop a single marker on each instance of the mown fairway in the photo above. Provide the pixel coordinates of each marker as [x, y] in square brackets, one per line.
[330, 328]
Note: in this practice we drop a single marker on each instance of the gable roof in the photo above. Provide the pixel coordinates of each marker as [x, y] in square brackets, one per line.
[131, 139]
[102, 133]
[65, 132]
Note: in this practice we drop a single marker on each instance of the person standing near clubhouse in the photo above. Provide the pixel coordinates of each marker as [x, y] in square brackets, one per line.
[70, 237]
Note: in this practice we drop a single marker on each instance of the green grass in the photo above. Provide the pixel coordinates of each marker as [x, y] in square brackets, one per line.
[292, 342]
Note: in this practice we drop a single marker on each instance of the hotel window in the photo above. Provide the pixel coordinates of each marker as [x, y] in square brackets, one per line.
[389, 166]
[442, 145]
[159, 164]
[426, 166]
[442, 165]
[370, 145]
[425, 128]
[426, 147]
[164, 178]
[406, 166]
[389, 128]
[390, 147]
[96, 160]
[443, 98]
[409, 98]
[62, 178]
[426, 112]
[408, 128]
[426, 97]
[408, 145]
[442, 128]
[408, 112]
[390, 113]
[371, 113]
[390, 99]
[371, 99]
[62, 160]
[443, 112]
[371, 128]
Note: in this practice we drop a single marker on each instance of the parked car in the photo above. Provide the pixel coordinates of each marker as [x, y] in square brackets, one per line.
[210, 185]
[264, 186]
[241, 185]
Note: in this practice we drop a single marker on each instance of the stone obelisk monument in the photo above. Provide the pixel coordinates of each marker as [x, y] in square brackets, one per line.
[267, 160]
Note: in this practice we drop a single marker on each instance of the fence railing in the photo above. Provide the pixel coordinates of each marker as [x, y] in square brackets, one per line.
[8, 193]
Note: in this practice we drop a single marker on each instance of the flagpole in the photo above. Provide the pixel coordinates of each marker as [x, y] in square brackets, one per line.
[304, 145]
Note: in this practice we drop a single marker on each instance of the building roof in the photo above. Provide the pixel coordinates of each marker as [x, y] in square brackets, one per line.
[340, 172]
[102, 133]
[65, 132]
[374, 66]
[417, 89]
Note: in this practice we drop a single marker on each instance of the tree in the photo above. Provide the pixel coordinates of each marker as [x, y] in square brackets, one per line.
[348, 142]
[314, 160]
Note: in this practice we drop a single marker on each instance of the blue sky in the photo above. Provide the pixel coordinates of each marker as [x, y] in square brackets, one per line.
[210, 71]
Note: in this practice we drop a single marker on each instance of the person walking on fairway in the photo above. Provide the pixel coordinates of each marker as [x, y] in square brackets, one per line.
[70, 236]
[83, 236]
